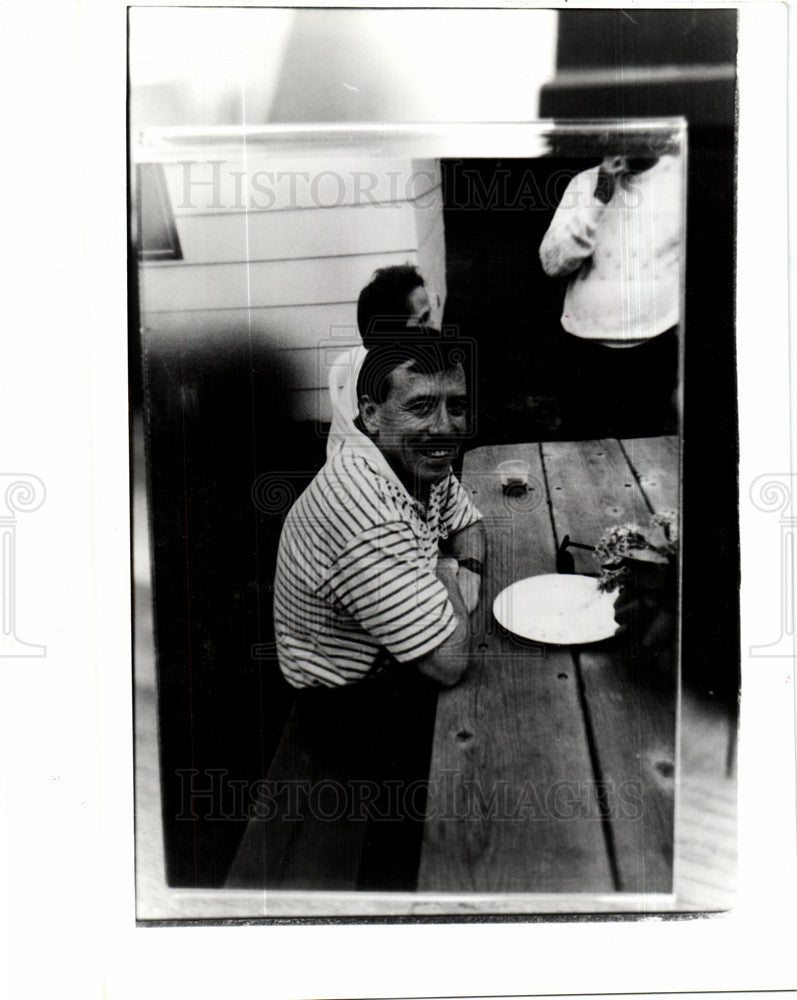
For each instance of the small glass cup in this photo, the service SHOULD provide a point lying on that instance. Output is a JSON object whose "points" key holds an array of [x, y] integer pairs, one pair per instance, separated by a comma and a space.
{"points": [[514, 475]]}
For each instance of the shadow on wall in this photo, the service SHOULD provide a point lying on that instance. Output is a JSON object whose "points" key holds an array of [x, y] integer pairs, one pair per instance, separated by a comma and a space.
{"points": [[226, 463]]}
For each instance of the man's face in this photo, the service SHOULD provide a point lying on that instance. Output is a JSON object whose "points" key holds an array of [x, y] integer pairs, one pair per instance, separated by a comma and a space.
{"points": [[420, 425], [419, 307]]}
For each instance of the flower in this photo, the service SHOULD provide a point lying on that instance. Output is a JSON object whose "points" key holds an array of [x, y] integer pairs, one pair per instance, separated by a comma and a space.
{"points": [[624, 544], [667, 520]]}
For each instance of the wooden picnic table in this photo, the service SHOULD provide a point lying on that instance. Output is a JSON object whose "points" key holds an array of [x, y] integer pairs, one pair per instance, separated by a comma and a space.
{"points": [[552, 768]]}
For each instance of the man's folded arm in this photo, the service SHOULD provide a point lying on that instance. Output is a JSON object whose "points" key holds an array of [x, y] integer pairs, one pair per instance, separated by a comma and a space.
{"points": [[417, 615], [465, 541], [448, 662], [468, 547]]}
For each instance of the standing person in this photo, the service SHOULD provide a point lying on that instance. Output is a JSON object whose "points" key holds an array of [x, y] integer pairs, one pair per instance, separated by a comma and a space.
{"points": [[395, 297], [617, 236]]}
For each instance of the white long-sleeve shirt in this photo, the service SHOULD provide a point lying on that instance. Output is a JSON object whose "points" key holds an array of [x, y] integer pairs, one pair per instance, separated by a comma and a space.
{"points": [[624, 256], [344, 407]]}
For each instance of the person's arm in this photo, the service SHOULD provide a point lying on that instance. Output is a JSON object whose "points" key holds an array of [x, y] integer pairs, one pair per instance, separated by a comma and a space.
{"points": [[447, 663], [344, 402], [465, 540], [382, 582], [570, 238], [468, 547]]}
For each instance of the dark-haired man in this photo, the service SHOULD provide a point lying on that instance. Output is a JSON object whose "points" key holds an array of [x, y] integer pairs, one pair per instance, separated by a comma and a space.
{"points": [[357, 571], [395, 297], [393, 294], [370, 622]]}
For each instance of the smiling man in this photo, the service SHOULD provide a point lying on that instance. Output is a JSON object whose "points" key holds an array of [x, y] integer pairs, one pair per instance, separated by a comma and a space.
{"points": [[359, 584], [370, 621]]}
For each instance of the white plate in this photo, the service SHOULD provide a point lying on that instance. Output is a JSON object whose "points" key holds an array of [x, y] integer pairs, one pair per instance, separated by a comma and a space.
{"points": [[560, 608]]}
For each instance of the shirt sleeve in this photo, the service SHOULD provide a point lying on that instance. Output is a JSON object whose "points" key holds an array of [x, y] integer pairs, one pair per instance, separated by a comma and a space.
{"points": [[458, 511], [344, 401], [570, 238], [381, 581]]}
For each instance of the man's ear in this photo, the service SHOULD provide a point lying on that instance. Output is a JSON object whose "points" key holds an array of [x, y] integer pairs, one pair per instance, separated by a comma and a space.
{"points": [[369, 415]]}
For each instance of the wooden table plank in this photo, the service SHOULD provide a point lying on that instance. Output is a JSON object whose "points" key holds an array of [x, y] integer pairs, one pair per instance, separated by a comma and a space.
{"points": [[631, 700], [655, 462], [511, 775], [591, 487], [630, 693]]}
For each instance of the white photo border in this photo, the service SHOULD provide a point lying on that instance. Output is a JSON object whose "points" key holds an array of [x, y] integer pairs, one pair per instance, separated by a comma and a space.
{"points": [[67, 783]]}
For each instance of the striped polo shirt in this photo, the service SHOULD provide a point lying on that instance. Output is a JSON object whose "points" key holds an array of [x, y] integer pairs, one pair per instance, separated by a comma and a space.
{"points": [[356, 570]]}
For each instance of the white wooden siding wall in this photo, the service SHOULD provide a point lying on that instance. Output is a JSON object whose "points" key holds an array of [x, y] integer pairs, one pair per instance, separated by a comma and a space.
{"points": [[278, 253]]}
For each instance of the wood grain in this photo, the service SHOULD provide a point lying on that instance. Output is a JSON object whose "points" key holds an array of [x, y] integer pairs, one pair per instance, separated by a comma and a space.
{"points": [[510, 774], [631, 700], [630, 693], [655, 463], [591, 487]]}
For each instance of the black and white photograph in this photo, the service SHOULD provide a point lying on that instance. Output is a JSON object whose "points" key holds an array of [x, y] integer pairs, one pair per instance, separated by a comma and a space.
{"points": [[418, 436], [397, 500]]}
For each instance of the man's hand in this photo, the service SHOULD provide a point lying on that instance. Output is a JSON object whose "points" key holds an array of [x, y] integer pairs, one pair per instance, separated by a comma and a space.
{"points": [[446, 571], [469, 545], [614, 165], [447, 663], [469, 584], [609, 171]]}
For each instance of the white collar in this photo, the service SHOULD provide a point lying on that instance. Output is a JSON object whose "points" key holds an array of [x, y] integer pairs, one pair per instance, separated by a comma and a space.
{"points": [[358, 444]]}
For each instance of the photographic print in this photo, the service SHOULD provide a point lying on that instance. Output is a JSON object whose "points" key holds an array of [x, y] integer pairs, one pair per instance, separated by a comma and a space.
{"points": [[419, 424]]}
